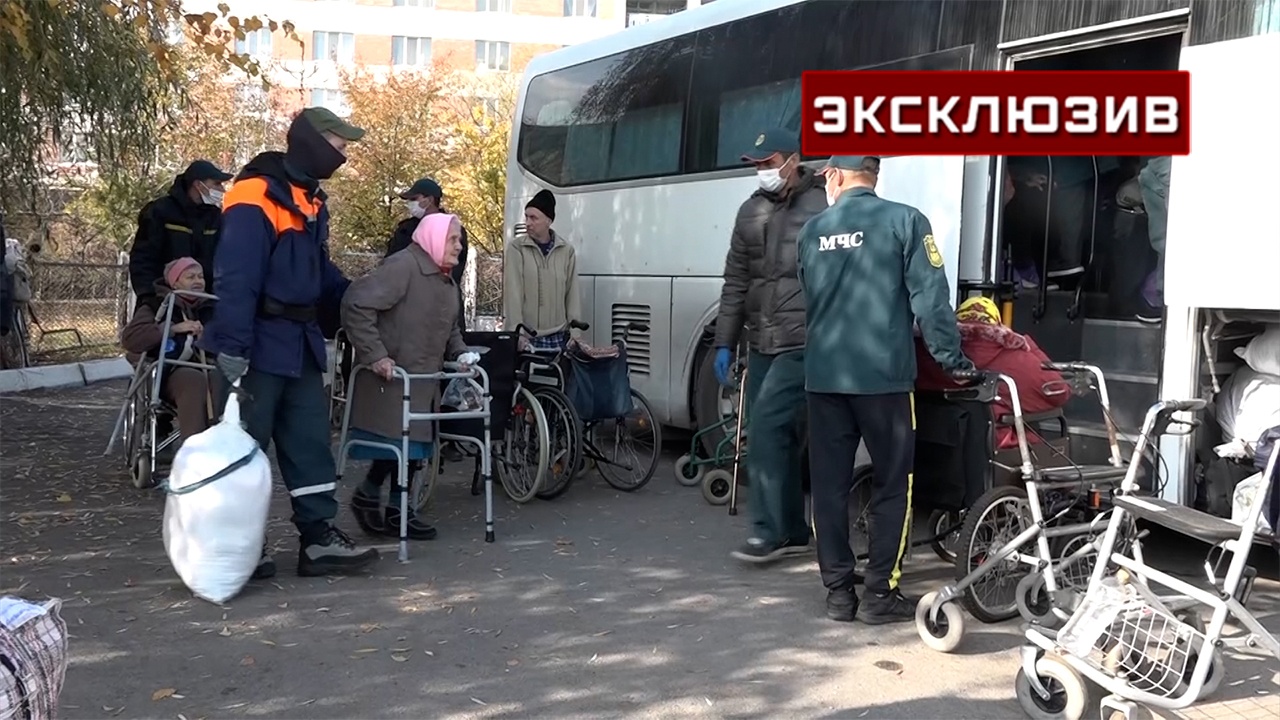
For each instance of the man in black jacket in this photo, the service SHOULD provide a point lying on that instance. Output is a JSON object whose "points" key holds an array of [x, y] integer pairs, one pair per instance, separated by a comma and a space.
{"points": [[762, 294], [183, 223], [423, 199]]}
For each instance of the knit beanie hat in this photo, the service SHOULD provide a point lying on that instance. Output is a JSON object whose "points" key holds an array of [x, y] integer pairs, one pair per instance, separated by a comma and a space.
{"points": [[544, 202]]}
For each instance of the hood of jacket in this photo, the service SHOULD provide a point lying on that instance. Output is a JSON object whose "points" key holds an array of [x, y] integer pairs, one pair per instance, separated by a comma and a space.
{"points": [[271, 165]]}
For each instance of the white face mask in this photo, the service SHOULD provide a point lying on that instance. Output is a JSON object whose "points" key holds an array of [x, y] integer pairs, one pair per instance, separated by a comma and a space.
{"points": [[415, 208], [770, 180], [831, 199], [212, 196]]}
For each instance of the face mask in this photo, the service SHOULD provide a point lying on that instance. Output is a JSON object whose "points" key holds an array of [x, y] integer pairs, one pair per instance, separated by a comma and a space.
{"points": [[308, 152], [415, 208], [212, 196], [770, 180]]}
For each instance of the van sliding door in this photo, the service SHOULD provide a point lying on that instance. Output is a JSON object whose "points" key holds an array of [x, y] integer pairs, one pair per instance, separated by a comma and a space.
{"points": [[934, 185]]}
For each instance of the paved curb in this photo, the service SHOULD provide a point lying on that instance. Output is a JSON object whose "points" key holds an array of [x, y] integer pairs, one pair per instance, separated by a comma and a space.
{"points": [[67, 375]]}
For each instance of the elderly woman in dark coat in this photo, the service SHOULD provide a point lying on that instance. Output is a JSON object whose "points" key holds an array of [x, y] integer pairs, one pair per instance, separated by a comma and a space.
{"points": [[402, 314]]}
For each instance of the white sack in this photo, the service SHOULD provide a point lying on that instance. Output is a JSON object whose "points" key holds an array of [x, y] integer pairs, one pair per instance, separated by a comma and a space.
{"points": [[213, 531], [1248, 405], [1263, 352]]}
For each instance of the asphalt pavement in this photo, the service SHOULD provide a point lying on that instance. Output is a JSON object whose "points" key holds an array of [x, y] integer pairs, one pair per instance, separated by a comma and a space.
{"points": [[599, 604]]}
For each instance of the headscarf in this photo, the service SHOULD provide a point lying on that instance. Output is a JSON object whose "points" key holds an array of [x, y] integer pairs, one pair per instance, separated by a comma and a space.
{"points": [[432, 235], [978, 310]]}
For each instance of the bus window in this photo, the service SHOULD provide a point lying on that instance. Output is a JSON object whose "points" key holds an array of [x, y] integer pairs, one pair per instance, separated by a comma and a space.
{"points": [[616, 118]]}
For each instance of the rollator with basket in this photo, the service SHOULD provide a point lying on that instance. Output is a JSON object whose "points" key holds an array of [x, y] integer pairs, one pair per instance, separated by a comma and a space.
{"points": [[718, 474], [405, 451], [1028, 544], [147, 423], [1141, 646]]}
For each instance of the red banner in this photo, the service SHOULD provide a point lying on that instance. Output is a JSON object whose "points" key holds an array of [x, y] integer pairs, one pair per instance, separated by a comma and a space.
{"points": [[996, 113]]}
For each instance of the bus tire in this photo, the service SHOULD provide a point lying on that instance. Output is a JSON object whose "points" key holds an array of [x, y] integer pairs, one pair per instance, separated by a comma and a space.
{"points": [[706, 403]]}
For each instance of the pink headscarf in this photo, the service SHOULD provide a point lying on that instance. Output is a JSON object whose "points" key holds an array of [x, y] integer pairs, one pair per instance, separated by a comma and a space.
{"points": [[432, 235]]}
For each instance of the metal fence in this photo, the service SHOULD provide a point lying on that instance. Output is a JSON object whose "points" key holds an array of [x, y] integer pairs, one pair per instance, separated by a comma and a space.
{"points": [[78, 309]]}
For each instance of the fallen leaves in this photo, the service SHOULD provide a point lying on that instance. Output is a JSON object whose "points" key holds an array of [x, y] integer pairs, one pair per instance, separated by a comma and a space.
{"points": [[64, 498], [163, 693], [248, 660], [889, 666]]}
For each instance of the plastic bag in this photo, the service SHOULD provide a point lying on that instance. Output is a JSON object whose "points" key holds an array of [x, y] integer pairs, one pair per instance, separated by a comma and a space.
{"points": [[461, 395], [1242, 500], [215, 516]]}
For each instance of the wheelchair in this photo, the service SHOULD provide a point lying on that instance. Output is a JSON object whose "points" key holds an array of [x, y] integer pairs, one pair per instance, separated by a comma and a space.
{"points": [[146, 425], [403, 452]]}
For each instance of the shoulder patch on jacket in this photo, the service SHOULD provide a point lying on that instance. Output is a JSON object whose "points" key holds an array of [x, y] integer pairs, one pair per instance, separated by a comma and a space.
{"points": [[931, 250]]}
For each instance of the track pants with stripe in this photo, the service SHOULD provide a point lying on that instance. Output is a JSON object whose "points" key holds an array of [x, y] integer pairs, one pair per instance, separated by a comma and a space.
{"points": [[294, 413], [837, 424]]}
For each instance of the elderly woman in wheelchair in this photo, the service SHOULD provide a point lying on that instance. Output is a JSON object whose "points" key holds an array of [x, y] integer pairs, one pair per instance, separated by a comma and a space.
{"points": [[404, 314], [186, 388]]}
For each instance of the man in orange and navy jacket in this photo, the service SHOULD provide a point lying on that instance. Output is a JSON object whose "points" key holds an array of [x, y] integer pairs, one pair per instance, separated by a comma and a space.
{"points": [[275, 281]]}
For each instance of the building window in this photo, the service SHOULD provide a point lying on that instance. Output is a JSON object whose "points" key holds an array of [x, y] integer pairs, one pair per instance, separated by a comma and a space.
{"points": [[493, 55], [580, 8], [335, 46], [415, 3], [413, 51], [255, 44], [493, 6], [334, 100]]}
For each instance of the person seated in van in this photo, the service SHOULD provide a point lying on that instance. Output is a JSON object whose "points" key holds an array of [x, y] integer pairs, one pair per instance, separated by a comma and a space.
{"points": [[996, 348], [185, 387], [404, 314], [540, 278]]}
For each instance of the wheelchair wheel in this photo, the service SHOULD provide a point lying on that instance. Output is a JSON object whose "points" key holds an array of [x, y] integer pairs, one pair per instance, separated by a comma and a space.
{"points": [[716, 486], [628, 447], [526, 450], [945, 527], [1068, 693], [994, 520], [860, 511], [424, 482], [138, 440], [565, 441]]}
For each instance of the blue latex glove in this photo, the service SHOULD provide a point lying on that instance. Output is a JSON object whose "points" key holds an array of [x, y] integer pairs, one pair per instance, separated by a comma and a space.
{"points": [[723, 360]]}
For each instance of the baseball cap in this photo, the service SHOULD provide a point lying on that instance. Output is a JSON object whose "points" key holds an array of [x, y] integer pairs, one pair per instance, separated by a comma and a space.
{"points": [[848, 162], [425, 187], [770, 143], [205, 170], [324, 120]]}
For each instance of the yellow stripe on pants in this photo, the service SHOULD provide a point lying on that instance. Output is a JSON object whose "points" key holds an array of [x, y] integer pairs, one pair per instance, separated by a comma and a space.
{"points": [[906, 517]]}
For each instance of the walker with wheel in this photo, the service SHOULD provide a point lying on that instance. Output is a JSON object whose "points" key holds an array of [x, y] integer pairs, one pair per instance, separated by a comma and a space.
{"points": [[1140, 646]]}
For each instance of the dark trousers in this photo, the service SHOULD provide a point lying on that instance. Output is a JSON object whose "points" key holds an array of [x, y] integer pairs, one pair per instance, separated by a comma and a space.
{"points": [[294, 413], [837, 424], [775, 392]]}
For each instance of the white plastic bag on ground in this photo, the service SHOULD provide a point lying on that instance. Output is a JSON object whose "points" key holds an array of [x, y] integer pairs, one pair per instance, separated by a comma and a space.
{"points": [[215, 517], [1242, 500]]}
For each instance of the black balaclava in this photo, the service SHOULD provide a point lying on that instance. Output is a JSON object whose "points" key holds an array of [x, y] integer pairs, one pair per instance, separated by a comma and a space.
{"points": [[308, 154]]}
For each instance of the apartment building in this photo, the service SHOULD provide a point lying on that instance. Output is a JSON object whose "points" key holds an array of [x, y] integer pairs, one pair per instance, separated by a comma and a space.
{"points": [[481, 35]]}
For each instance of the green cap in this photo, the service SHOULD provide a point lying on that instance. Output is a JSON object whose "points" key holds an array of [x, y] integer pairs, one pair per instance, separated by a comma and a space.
{"points": [[866, 163], [771, 142], [324, 120]]}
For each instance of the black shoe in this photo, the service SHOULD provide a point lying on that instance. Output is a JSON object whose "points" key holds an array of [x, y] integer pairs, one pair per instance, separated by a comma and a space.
{"points": [[368, 513], [332, 553], [891, 607], [842, 604], [760, 552], [266, 567], [419, 529]]}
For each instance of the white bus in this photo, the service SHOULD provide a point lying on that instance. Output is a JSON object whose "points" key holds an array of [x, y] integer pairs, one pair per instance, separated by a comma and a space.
{"points": [[639, 135]]}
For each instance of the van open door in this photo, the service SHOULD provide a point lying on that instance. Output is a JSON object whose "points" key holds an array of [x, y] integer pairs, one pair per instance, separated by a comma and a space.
{"points": [[1223, 244], [935, 186]]}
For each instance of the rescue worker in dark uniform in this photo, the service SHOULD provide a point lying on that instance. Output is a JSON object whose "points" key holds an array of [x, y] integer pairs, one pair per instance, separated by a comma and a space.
{"points": [[761, 291], [424, 198], [276, 279], [870, 269], [183, 223]]}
